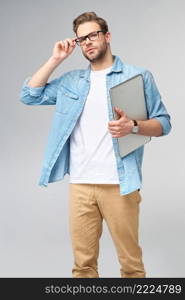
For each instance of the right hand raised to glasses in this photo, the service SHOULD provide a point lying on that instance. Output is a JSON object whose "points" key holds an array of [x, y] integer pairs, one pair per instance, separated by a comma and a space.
{"points": [[63, 49]]}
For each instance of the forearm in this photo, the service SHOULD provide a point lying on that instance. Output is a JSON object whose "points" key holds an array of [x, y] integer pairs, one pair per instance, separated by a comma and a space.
{"points": [[151, 127], [40, 78]]}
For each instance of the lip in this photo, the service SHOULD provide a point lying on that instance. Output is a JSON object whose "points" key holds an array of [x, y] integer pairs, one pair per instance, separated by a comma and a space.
{"points": [[90, 49]]}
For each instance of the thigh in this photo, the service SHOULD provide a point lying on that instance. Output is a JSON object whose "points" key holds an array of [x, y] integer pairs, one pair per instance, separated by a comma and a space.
{"points": [[84, 215], [109, 199], [121, 212]]}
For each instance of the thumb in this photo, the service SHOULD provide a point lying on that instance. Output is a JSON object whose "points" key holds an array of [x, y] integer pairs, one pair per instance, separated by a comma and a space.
{"points": [[119, 111]]}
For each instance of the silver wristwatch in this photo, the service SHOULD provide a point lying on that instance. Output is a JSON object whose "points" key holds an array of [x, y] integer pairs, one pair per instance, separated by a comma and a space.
{"points": [[135, 128]]}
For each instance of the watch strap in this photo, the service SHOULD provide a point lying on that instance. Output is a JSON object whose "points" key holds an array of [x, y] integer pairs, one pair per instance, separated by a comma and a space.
{"points": [[135, 127]]}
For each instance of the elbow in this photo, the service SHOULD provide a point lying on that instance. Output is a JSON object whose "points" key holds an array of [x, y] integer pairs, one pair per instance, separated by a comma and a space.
{"points": [[160, 131], [165, 126], [24, 101]]}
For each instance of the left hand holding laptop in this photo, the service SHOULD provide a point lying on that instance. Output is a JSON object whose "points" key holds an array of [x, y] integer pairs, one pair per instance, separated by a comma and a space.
{"points": [[122, 126]]}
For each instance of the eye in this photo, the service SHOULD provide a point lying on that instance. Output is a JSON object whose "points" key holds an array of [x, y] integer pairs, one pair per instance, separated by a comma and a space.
{"points": [[93, 34]]}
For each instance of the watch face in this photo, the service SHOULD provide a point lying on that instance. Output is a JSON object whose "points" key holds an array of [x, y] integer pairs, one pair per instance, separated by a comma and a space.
{"points": [[135, 129]]}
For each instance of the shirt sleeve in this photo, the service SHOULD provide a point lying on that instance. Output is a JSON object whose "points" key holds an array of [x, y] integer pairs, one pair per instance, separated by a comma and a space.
{"points": [[155, 107], [43, 95]]}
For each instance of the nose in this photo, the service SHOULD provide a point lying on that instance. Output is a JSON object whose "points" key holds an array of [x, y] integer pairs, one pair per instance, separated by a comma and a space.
{"points": [[87, 40]]}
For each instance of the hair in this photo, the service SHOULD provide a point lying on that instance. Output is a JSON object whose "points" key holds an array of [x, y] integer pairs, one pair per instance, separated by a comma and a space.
{"points": [[89, 17]]}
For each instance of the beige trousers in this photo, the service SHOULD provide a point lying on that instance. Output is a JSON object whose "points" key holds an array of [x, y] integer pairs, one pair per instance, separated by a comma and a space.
{"points": [[89, 205]]}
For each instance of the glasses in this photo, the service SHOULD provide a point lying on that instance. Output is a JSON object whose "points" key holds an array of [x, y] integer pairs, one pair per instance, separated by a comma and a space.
{"points": [[93, 36]]}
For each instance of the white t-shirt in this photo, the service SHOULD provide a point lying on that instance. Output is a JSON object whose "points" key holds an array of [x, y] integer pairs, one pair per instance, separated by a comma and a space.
{"points": [[92, 158]]}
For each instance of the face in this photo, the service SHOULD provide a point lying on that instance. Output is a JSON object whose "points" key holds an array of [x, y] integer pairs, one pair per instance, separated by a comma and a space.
{"points": [[94, 51]]}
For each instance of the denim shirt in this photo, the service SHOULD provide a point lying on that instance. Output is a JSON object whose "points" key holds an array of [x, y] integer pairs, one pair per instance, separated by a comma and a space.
{"points": [[69, 93]]}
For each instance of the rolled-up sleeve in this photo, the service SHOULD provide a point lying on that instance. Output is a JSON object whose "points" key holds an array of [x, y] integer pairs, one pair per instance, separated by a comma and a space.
{"points": [[43, 95], [155, 107]]}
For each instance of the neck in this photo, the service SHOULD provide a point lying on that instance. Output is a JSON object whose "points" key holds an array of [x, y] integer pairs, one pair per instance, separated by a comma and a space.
{"points": [[103, 63]]}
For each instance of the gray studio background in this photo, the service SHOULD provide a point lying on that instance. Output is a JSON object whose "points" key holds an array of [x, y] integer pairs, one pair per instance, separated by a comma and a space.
{"points": [[34, 232]]}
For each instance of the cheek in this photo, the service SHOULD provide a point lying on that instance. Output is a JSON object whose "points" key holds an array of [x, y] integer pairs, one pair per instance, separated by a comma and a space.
{"points": [[83, 50], [103, 45]]}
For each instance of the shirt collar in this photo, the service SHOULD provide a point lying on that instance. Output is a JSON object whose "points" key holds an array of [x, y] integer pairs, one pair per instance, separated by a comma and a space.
{"points": [[117, 66]]}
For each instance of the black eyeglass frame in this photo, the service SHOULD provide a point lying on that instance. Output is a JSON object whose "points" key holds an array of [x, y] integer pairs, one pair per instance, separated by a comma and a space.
{"points": [[87, 36]]}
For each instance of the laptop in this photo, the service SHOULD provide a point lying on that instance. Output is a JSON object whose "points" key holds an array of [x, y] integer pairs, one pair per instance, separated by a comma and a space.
{"points": [[129, 96]]}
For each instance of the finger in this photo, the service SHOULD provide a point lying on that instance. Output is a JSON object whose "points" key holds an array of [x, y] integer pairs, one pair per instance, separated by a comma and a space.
{"points": [[117, 124], [71, 42], [115, 132], [113, 123], [119, 110], [116, 129], [66, 45], [74, 40], [61, 44]]}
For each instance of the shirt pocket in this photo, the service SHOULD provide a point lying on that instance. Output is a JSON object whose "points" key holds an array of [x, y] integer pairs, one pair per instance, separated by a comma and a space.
{"points": [[66, 99]]}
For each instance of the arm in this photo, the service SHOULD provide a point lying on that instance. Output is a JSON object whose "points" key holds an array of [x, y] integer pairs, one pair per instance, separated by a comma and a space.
{"points": [[150, 127], [123, 126], [40, 78], [35, 89], [158, 122]]}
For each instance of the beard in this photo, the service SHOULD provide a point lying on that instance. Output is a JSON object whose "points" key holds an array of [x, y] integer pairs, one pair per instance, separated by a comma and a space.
{"points": [[96, 57]]}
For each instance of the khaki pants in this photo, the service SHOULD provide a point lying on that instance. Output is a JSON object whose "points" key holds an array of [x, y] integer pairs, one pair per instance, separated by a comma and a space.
{"points": [[89, 205]]}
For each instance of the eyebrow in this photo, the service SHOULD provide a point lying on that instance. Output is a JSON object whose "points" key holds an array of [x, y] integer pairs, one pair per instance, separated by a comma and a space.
{"points": [[86, 34]]}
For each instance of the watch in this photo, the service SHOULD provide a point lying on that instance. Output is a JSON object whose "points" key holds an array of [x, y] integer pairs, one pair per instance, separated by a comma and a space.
{"points": [[135, 128]]}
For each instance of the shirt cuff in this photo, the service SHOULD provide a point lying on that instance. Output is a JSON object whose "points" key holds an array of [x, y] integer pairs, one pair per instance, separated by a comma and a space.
{"points": [[33, 91], [165, 123]]}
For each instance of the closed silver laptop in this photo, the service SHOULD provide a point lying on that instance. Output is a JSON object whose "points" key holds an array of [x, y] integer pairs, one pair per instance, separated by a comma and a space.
{"points": [[130, 97]]}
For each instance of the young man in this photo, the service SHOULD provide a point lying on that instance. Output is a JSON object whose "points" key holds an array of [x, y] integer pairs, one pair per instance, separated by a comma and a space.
{"points": [[83, 143]]}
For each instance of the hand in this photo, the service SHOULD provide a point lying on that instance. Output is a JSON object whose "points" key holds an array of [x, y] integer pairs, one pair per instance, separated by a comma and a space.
{"points": [[63, 49], [122, 126]]}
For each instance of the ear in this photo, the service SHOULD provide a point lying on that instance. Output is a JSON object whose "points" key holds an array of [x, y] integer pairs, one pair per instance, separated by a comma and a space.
{"points": [[108, 36]]}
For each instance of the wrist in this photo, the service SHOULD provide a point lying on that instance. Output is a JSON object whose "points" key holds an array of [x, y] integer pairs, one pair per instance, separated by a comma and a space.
{"points": [[135, 127], [54, 61], [131, 125]]}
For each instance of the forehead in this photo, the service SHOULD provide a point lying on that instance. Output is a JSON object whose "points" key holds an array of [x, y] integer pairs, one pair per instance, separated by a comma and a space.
{"points": [[87, 27]]}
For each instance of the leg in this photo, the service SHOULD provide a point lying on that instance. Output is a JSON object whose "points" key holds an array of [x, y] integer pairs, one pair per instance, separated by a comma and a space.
{"points": [[121, 213], [85, 229]]}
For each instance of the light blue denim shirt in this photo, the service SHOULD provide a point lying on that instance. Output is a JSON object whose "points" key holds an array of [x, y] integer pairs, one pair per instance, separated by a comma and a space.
{"points": [[69, 93]]}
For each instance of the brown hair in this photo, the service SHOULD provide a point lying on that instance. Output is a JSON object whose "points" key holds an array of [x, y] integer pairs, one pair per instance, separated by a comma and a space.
{"points": [[89, 17]]}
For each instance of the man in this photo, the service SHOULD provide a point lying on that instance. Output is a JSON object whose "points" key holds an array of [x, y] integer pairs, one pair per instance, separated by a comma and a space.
{"points": [[83, 143]]}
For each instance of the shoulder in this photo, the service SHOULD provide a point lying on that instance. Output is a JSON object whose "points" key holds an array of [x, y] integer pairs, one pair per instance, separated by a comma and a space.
{"points": [[130, 68]]}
